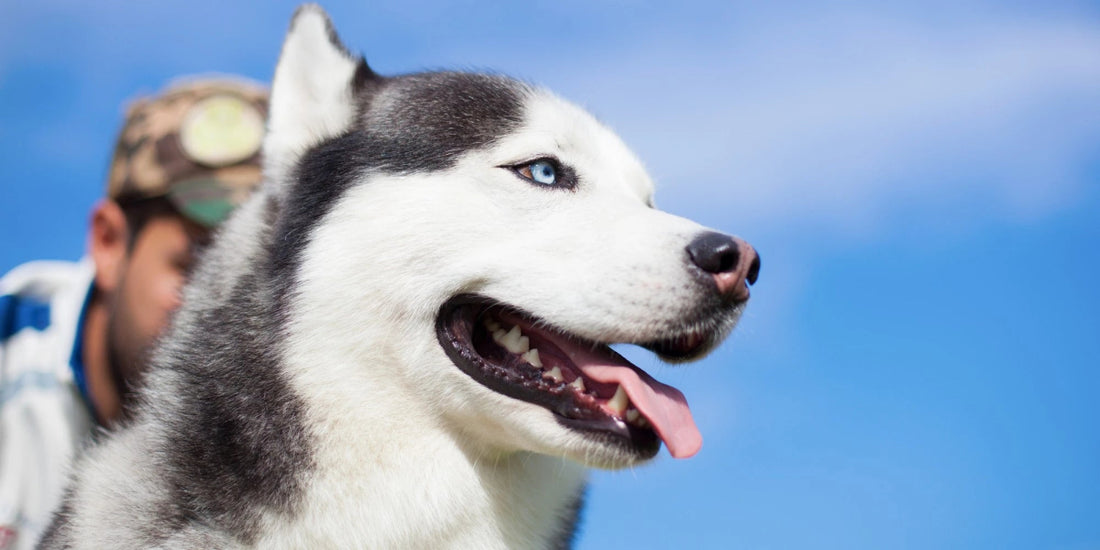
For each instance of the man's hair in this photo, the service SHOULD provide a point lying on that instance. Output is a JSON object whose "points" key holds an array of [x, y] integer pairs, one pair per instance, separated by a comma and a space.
{"points": [[139, 211]]}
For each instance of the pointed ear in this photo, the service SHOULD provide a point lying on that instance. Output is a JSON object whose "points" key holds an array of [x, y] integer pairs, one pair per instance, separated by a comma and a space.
{"points": [[312, 95]]}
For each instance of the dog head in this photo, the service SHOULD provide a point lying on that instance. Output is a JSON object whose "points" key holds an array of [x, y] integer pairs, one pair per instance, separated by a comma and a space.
{"points": [[473, 244]]}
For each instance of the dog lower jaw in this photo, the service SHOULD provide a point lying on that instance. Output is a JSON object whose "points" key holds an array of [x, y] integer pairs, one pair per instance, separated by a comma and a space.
{"points": [[594, 412]]}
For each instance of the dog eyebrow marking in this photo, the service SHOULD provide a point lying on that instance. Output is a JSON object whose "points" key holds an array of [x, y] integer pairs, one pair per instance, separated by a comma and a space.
{"points": [[425, 122]]}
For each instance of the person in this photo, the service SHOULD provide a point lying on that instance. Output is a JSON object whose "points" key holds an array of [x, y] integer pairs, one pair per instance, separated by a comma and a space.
{"points": [[75, 337]]}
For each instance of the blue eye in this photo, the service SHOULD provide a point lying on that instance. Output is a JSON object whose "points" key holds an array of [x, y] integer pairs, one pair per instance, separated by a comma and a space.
{"points": [[541, 171], [545, 172]]}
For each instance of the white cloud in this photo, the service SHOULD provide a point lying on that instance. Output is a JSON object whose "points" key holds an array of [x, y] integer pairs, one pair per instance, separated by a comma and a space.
{"points": [[840, 120]]}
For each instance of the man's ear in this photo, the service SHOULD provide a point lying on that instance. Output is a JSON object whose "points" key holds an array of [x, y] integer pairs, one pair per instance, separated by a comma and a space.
{"points": [[108, 244]]}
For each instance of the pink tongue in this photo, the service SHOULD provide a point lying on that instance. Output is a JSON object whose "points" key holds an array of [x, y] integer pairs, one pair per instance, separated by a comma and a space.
{"points": [[664, 406]]}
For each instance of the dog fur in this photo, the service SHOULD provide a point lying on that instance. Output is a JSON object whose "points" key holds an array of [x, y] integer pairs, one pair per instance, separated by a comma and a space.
{"points": [[303, 398]]}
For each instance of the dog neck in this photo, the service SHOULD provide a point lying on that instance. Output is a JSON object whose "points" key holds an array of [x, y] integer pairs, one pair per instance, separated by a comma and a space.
{"points": [[389, 476]]}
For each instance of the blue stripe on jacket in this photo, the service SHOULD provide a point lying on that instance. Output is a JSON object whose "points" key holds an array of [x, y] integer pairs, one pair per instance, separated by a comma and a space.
{"points": [[20, 312]]}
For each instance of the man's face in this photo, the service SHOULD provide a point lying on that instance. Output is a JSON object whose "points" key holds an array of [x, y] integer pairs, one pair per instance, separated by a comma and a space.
{"points": [[151, 278]]}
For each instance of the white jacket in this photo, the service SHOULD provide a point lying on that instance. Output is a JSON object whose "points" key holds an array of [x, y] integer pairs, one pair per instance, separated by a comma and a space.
{"points": [[45, 416]]}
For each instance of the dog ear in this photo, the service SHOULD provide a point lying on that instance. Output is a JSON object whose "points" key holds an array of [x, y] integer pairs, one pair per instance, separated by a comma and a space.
{"points": [[313, 92]]}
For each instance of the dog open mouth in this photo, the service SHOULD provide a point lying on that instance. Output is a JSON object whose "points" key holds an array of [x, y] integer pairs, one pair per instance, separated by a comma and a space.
{"points": [[589, 386]]}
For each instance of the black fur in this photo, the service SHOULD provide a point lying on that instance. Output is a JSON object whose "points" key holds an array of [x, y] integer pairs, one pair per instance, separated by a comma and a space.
{"points": [[58, 535], [236, 446], [440, 116], [363, 75], [567, 536]]}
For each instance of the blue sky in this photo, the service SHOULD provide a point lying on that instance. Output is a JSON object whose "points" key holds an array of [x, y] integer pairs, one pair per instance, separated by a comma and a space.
{"points": [[919, 365]]}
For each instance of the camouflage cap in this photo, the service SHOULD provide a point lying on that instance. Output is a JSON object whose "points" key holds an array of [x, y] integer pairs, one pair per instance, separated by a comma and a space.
{"points": [[197, 143]]}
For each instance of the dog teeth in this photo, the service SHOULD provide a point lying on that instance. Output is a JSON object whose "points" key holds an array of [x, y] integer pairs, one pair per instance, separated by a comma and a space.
{"points": [[532, 357], [555, 375], [619, 401], [578, 385], [514, 340], [523, 344]]}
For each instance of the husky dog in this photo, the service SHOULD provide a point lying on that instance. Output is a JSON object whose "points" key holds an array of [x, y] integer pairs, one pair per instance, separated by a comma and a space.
{"points": [[401, 340]]}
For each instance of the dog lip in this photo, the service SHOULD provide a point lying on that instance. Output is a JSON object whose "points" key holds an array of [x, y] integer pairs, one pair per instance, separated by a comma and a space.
{"points": [[705, 329], [455, 327], [684, 347]]}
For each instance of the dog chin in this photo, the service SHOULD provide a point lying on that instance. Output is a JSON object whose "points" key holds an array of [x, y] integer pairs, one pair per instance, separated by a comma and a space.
{"points": [[603, 453], [703, 337]]}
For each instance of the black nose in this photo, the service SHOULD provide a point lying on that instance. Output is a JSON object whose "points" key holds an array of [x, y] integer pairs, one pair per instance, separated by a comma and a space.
{"points": [[732, 261]]}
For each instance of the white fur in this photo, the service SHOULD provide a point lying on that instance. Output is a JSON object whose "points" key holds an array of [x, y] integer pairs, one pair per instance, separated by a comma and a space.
{"points": [[314, 93]]}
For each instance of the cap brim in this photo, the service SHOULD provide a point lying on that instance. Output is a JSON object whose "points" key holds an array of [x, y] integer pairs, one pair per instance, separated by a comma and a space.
{"points": [[205, 200]]}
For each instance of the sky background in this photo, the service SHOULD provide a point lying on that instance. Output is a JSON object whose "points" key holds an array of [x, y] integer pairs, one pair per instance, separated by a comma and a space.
{"points": [[919, 365]]}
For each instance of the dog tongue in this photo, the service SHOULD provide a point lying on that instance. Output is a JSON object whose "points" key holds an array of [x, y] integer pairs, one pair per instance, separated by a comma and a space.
{"points": [[664, 406]]}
